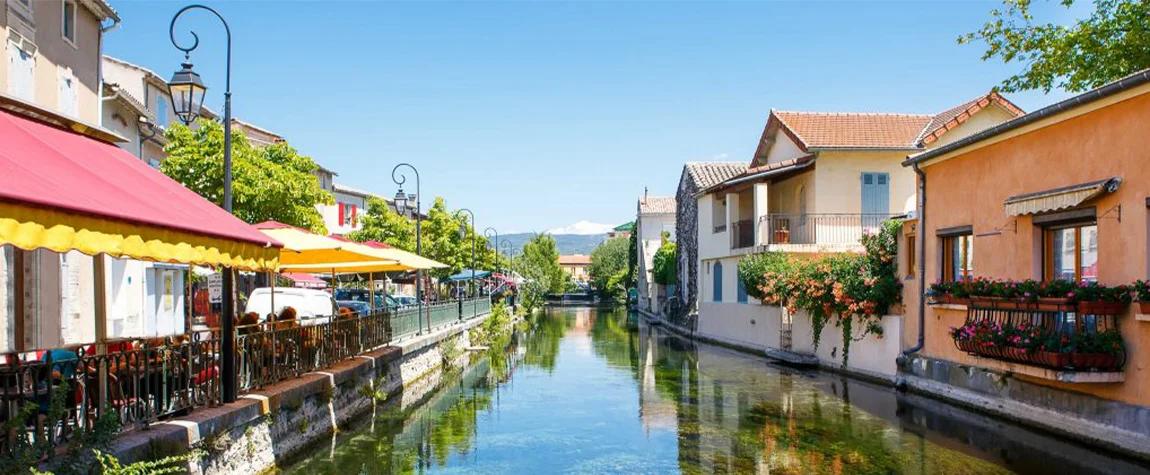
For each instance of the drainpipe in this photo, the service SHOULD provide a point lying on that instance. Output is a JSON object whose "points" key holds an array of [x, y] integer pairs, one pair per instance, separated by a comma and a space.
{"points": [[100, 68], [902, 360]]}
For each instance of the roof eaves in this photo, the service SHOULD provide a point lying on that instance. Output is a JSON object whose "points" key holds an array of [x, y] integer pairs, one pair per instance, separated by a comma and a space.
{"points": [[1102, 92]]}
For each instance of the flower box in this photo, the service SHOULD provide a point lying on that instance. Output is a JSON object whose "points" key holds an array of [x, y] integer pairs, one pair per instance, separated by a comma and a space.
{"points": [[1144, 308], [1051, 358], [1101, 308], [1052, 304], [1094, 360], [947, 299]]}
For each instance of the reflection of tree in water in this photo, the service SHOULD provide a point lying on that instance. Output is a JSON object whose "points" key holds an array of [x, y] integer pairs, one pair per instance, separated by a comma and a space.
{"points": [[614, 342], [543, 339]]}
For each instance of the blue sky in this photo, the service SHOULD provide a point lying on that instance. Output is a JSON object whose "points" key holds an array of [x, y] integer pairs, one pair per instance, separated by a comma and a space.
{"points": [[538, 114]]}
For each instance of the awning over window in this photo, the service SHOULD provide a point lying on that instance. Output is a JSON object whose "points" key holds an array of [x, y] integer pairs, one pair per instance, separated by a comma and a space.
{"points": [[1059, 198], [62, 191]]}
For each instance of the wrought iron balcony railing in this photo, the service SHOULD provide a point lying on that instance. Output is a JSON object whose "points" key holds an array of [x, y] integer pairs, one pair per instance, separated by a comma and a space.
{"points": [[831, 229]]}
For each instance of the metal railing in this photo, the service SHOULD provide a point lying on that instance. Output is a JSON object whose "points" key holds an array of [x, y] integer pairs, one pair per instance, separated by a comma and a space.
{"points": [[742, 234], [818, 229], [1059, 338], [52, 394]]}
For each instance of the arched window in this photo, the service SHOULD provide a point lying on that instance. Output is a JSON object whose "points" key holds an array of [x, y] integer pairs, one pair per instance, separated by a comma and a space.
{"points": [[717, 275]]}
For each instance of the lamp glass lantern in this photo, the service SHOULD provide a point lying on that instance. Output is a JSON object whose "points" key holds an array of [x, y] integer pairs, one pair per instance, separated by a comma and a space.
{"points": [[400, 202], [187, 92]]}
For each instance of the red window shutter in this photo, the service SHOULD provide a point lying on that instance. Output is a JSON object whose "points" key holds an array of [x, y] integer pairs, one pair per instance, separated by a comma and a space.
{"points": [[340, 205]]}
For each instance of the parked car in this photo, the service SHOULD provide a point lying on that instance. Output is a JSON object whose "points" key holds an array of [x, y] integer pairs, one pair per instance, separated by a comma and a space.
{"points": [[360, 308], [360, 295], [312, 306], [405, 300]]}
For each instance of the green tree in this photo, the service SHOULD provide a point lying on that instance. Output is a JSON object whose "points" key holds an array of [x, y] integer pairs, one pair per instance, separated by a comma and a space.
{"points": [[1114, 41], [607, 260], [539, 265], [270, 182], [665, 265], [382, 224]]}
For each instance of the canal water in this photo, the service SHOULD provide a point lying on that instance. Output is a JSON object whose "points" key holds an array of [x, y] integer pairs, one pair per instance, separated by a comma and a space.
{"points": [[594, 391]]}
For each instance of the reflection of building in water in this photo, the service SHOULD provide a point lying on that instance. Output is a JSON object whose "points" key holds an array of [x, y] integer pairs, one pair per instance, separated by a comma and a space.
{"points": [[655, 411]]}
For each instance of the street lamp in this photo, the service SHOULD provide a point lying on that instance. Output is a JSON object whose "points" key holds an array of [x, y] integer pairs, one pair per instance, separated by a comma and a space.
{"points": [[487, 234], [401, 206], [463, 234], [188, 92]]}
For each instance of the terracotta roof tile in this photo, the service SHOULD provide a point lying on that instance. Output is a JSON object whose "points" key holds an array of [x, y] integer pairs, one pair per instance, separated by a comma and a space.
{"points": [[575, 260], [854, 130], [708, 174], [657, 205], [946, 120]]}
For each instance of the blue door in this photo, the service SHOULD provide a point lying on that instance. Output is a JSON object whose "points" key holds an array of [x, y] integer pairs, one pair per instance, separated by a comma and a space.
{"points": [[875, 198]]}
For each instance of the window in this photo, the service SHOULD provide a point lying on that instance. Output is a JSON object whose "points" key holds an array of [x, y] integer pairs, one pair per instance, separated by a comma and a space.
{"points": [[68, 23], [958, 257], [347, 214], [162, 111], [21, 72], [741, 290], [154, 163], [1071, 252], [717, 277], [68, 103], [911, 255]]}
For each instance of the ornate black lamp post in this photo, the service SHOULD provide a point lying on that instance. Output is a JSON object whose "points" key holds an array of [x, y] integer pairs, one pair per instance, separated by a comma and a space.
{"points": [[494, 244], [402, 202], [188, 92], [462, 235]]}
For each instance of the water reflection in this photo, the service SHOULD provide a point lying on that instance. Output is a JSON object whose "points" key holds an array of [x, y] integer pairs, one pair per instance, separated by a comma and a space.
{"points": [[583, 391]]}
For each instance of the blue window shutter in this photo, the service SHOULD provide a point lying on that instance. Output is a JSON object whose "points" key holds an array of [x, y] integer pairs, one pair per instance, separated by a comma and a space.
{"points": [[718, 278], [742, 291], [875, 193]]}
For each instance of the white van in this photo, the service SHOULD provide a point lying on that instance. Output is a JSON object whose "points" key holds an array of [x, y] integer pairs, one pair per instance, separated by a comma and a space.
{"points": [[312, 307]]}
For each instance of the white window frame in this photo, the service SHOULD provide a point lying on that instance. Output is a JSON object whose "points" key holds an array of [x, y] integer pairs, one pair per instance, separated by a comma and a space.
{"points": [[15, 47], [64, 5]]}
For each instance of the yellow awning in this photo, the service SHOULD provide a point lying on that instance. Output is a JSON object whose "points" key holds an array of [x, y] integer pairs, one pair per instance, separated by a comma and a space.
{"points": [[304, 248], [407, 259], [1059, 198], [346, 267], [32, 227]]}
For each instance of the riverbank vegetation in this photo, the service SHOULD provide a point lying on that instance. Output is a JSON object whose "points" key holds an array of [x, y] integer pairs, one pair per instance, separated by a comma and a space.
{"points": [[609, 268], [846, 288]]}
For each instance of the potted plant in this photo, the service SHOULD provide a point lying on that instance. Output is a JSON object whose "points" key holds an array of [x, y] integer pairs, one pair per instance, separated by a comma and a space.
{"points": [[1056, 294], [1096, 350], [1054, 351], [1096, 299], [1142, 296]]}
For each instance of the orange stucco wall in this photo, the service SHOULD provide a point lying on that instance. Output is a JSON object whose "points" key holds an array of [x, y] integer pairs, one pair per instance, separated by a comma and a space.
{"points": [[970, 189]]}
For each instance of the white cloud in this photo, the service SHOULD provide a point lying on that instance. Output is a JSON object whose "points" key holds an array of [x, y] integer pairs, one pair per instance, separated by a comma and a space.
{"points": [[583, 227]]}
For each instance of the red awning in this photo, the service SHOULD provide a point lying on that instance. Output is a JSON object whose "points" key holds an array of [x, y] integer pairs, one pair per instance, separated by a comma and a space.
{"points": [[60, 190], [307, 281]]}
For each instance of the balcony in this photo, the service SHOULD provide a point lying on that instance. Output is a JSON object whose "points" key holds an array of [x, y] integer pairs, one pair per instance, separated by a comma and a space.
{"points": [[817, 232], [742, 234]]}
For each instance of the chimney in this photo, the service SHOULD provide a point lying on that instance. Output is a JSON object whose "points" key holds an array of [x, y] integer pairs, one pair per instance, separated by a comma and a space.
{"points": [[644, 195]]}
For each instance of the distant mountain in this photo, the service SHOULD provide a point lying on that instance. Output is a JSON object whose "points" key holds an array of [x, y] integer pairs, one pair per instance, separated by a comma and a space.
{"points": [[583, 228], [565, 243]]}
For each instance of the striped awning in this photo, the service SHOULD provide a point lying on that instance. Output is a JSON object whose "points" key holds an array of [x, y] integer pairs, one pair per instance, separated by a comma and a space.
{"points": [[1059, 198]]}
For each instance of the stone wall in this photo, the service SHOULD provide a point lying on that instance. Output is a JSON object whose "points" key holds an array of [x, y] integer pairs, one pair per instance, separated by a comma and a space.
{"points": [[687, 240], [1118, 426], [271, 425]]}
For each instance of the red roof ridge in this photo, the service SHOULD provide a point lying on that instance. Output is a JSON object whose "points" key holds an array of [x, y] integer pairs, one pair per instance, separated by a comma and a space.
{"points": [[853, 114], [950, 119]]}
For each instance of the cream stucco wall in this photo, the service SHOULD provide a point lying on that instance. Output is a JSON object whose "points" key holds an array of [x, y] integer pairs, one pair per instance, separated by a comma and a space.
{"points": [[783, 149], [650, 228], [711, 244], [785, 194], [54, 54], [981, 120], [842, 189]]}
